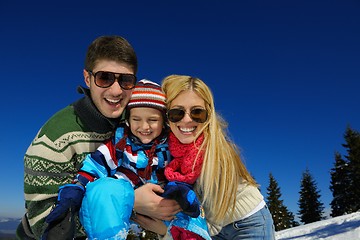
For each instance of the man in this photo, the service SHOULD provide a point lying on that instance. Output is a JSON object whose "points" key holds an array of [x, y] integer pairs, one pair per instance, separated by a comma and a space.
{"points": [[56, 153]]}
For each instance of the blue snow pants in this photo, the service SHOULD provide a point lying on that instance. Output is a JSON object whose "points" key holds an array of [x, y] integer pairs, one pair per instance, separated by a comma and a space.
{"points": [[106, 208]]}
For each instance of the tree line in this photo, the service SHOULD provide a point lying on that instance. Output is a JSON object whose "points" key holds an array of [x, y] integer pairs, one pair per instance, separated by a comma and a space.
{"points": [[344, 185]]}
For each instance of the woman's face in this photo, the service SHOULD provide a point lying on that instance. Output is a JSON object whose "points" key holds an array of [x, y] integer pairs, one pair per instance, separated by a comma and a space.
{"points": [[186, 129]]}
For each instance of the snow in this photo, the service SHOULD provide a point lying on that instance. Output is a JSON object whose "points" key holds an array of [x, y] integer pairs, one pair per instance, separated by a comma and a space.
{"points": [[346, 227]]}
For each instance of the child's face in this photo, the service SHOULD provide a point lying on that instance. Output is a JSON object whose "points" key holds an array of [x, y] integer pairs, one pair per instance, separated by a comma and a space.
{"points": [[146, 123]]}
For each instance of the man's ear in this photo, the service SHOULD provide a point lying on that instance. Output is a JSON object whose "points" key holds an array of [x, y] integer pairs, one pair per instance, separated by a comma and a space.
{"points": [[87, 78]]}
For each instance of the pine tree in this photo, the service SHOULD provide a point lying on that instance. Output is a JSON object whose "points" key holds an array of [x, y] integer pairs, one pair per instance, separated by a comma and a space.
{"points": [[339, 186], [294, 223], [352, 139], [282, 217], [310, 207]]}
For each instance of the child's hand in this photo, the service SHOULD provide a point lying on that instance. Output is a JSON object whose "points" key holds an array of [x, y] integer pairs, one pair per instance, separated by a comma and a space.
{"points": [[70, 196], [68, 203], [184, 194]]}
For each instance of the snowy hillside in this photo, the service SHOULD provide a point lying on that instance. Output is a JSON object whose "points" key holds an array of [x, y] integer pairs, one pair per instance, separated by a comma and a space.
{"points": [[8, 227], [345, 227]]}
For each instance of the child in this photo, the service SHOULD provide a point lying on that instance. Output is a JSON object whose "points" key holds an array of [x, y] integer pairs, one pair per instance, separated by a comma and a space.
{"points": [[135, 155]]}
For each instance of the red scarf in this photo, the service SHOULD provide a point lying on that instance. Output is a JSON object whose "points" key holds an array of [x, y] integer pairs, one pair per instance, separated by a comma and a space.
{"points": [[181, 167]]}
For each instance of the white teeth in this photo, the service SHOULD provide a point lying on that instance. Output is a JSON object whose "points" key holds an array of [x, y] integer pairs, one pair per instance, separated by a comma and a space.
{"points": [[187, 129], [112, 100], [145, 133]]}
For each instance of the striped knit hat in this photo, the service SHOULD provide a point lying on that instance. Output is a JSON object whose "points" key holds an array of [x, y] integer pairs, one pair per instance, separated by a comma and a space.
{"points": [[147, 94]]}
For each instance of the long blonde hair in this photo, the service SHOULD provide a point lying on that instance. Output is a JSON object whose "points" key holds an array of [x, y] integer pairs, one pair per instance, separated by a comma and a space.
{"points": [[222, 169]]}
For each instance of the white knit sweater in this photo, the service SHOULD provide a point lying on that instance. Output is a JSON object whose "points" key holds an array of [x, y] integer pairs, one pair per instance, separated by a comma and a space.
{"points": [[247, 199]]}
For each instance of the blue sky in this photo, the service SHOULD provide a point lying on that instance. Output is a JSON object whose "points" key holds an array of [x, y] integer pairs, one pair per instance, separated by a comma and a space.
{"points": [[284, 74]]}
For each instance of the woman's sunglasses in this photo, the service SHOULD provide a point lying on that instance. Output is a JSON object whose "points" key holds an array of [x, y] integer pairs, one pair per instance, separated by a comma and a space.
{"points": [[199, 115], [106, 79]]}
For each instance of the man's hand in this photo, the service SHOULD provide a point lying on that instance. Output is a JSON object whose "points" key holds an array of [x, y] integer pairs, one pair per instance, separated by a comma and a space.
{"points": [[149, 203], [154, 225]]}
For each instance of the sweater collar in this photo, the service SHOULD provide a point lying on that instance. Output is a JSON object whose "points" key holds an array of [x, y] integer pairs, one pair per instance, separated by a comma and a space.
{"points": [[91, 116]]}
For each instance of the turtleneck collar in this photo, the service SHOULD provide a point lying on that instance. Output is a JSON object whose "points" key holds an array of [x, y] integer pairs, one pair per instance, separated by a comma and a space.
{"points": [[91, 116]]}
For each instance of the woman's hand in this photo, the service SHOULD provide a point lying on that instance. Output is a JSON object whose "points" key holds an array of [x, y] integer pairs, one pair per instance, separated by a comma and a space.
{"points": [[154, 225], [149, 203]]}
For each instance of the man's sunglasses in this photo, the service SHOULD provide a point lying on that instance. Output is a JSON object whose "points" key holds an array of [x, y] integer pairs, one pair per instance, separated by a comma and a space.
{"points": [[106, 79], [199, 115]]}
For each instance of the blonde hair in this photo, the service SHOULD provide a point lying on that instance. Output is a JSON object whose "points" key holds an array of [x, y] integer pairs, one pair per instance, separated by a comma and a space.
{"points": [[222, 170]]}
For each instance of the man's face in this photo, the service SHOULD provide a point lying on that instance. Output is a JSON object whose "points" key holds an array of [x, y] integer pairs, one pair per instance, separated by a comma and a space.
{"points": [[110, 101]]}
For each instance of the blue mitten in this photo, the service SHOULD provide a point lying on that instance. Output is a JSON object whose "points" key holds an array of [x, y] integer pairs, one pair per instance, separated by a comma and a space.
{"points": [[70, 197], [60, 221], [184, 194]]}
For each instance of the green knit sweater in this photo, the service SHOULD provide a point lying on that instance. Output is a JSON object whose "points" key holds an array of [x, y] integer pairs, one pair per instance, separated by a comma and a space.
{"points": [[56, 154]]}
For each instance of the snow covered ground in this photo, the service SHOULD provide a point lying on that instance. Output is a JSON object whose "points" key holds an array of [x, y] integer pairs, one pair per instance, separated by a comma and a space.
{"points": [[345, 227]]}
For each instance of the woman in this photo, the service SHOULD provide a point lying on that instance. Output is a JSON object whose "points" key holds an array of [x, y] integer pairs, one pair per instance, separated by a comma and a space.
{"points": [[234, 207]]}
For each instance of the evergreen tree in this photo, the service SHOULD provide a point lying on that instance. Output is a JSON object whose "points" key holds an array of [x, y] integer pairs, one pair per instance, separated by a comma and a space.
{"points": [[294, 223], [282, 217], [339, 186], [310, 207], [352, 139]]}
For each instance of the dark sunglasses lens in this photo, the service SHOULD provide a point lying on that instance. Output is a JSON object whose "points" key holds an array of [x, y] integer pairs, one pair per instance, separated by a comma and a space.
{"points": [[104, 79], [127, 81], [199, 115], [175, 115]]}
